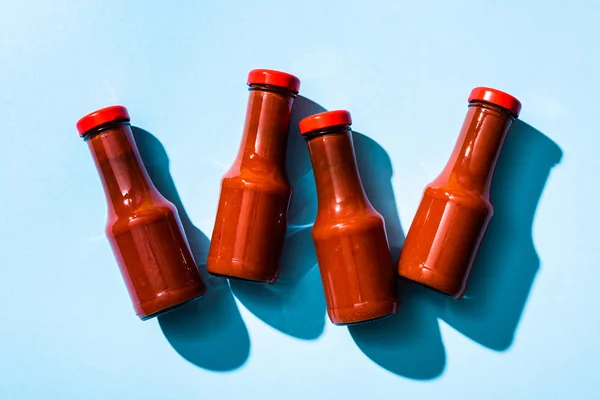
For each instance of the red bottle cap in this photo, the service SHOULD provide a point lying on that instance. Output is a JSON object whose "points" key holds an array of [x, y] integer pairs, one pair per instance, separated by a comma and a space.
{"points": [[274, 78], [101, 117], [324, 120], [496, 97]]}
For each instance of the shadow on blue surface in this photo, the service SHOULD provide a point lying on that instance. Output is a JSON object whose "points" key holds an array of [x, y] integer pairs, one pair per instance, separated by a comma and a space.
{"points": [[211, 334], [408, 343], [295, 304], [208, 332], [507, 262]]}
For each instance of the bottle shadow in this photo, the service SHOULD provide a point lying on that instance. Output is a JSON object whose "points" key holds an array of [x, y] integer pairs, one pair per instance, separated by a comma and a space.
{"points": [[208, 332], [295, 304], [408, 343], [507, 263]]}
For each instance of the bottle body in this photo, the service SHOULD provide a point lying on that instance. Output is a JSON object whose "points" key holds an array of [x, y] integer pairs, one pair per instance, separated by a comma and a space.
{"points": [[143, 228], [251, 221], [443, 240], [349, 235]]}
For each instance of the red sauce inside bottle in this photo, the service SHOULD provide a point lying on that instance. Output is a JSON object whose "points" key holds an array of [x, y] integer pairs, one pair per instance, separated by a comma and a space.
{"points": [[349, 234], [143, 228], [450, 223], [251, 221]]}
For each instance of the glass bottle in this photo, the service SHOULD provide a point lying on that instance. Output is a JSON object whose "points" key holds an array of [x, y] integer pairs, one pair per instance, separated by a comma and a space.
{"points": [[349, 234], [446, 232], [251, 221], [143, 228]]}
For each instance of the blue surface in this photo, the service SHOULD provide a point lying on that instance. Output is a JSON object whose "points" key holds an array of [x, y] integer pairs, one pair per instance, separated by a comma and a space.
{"points": [[529, 325]]}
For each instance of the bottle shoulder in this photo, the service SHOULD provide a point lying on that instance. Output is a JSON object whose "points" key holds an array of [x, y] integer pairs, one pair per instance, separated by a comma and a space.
{"points": [[151, 209], [359, 219], [458, 194], [263, 180]]}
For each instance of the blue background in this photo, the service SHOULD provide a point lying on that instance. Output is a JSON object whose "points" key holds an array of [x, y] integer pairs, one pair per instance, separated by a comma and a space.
{"points": [[528, 327]]}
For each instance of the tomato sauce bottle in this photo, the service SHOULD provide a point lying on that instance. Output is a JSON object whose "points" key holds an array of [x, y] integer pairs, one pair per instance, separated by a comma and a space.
{"points": [[251, 221], [356, 266], [446, 232], [143, 228]]}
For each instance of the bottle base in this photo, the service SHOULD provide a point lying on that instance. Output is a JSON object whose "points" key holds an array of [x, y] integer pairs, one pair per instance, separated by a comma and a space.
{"points": [[167, 302], [366, 321], [233, 269], [363, 313], [435, 281], [168, 310]]}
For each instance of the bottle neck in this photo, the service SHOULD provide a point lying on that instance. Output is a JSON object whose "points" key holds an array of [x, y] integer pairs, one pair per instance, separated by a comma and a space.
{"points": [[264, 140], [339, 187], [125, 180], [474, 158]]}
